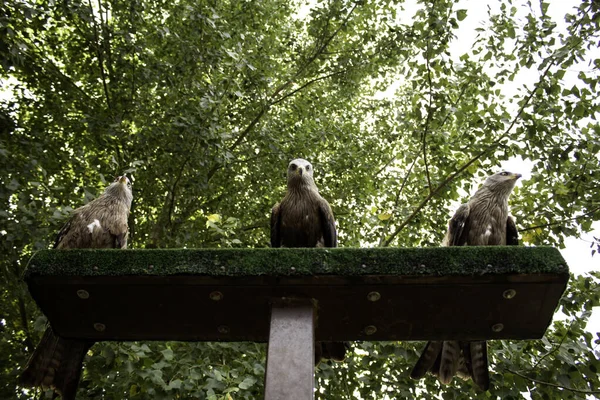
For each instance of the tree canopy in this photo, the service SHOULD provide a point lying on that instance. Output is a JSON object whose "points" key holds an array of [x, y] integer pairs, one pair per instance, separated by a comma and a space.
{"points": [[205, 102]]}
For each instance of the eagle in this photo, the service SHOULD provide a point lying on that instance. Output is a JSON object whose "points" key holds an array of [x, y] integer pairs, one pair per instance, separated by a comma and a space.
{"points": [[304, 219], [102, 223], [482, 221]]}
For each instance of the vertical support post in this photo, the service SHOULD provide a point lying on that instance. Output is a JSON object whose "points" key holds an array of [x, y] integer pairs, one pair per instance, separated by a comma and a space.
{"points": [[291, 351]]}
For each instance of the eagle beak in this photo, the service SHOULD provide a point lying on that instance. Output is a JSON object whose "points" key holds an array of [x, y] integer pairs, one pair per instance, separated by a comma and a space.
{"points": [[300, 171], [517, 176], [123, 179]]}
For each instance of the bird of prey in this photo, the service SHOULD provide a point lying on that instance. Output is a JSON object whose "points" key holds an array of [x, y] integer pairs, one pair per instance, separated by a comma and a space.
{"points": [[102, 223], [482, 221], [304, 219]]}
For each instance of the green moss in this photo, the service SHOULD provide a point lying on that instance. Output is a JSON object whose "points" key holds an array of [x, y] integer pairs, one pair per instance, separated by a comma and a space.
{"points": [[435, 261]]}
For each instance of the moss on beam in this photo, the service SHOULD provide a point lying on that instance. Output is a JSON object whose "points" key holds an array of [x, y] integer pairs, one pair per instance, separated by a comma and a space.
{"points": [[435, 261]]}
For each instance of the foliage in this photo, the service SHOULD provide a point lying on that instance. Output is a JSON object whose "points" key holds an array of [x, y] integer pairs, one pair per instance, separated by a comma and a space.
{"points": [[206, 102]]}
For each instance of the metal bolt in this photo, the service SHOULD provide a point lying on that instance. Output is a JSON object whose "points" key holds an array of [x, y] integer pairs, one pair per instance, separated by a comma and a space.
{"points": [[224, 329], [371, 329], [374, 296], [216, 295], [498, 327], [83, 294], [100, 327], [509, 294]]}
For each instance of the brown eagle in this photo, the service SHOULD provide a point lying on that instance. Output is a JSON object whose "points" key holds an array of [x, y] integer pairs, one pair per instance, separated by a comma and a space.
{"points": [[482, 221], [304, 219], [102, 223]]}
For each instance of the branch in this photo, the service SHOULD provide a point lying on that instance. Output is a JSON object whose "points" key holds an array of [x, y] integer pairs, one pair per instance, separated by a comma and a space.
{"points": [[428, 119], [561, 221], [553, 384], [555, 348], [304, 86], [265, 108], [321, 49], [491, 147], [99, 54], [387, 225], [433, 193]]}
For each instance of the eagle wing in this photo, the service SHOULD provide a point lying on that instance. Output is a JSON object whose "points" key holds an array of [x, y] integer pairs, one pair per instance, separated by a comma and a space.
{"points": [[62, 233], [276, 226], [458, 228], [512, 234], [327, 224]]}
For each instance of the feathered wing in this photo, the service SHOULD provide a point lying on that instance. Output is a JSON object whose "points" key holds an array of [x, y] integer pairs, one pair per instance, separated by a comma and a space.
{"points": [[329, 350], [512, 234], [276, 226], [458, 227], [327, 224]]}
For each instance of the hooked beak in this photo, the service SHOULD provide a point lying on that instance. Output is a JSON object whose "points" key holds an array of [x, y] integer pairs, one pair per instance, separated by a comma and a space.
{"points": [[300, 171], [517, 176], [123, 179]]}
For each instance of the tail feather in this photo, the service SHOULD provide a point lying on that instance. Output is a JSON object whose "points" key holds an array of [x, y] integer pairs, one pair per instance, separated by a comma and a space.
{"points": [[449, 361], [479, 364], [428, 359], [56, 363], [445, 359], [334, 350]]}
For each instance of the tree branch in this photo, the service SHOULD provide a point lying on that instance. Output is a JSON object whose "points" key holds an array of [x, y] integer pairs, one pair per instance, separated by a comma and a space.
{"points": [[492, 146], [553, 384], [433, 193], [99, 54], [428, 119], [555, 347], [560, 222], [387, 225]]}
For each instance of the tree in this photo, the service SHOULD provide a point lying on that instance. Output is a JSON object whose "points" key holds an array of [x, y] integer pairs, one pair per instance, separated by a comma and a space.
{"points": [[205, 102]]}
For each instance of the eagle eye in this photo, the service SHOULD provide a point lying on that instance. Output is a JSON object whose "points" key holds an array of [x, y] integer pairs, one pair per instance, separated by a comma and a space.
{"points": [[504, 173], [308, 167], [293, 166]]}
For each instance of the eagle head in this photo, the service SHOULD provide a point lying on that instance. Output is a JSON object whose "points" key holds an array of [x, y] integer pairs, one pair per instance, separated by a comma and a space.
{"points": [[300, 172], [503, 181], [121, 188]]}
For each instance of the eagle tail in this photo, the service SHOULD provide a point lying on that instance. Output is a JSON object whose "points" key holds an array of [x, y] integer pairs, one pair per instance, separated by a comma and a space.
{"points": [[449, 361], [477, 363], [428, 359], [334, 350], [56, 363]]}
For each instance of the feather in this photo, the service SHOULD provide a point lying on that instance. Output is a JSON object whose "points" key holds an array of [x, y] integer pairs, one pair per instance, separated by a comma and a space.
{"points": [[482, 221], [102, 223]]}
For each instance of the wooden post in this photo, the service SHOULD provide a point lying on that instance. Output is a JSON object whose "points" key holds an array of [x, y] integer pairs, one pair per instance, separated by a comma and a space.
{"points": [[291, 351]]}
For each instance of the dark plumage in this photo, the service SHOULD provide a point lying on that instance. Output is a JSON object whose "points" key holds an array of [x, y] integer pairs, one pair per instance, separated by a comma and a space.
{"points": [[482, 221], [102, 223], [304, 219]]}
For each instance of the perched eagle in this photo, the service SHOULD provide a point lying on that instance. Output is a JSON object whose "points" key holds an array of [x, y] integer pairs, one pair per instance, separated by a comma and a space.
{"points": [[304, 219], [482, 221], [102, 223]]}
